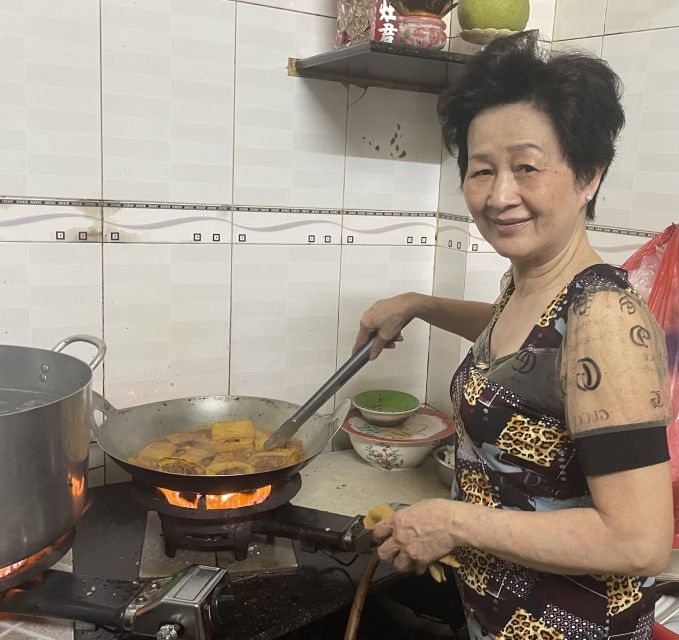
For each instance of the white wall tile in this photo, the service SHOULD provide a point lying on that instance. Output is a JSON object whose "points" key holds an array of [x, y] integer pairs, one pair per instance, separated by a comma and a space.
{"points": [[372, 273], [451, 199], [477, 242], [579, 18], [166, 320], [542, 17], [393, 150], [48, 292], [167, 85], [482, 282], [413, 229], [286, 227], [641, 189], [49, 99], [453, 233], [444, 347], [317, 7], [290, 132], [626, 15], [615, 248], [284, 328], [168, 223], [591, 45], [49, 223]]}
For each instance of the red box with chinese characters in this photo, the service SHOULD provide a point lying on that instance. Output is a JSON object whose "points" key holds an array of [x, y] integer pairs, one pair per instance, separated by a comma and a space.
{"points": [[379, 20]]}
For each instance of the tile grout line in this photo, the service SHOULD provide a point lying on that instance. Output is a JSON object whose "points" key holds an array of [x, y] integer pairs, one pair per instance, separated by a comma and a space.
{"points": [[233, 190], [101, 151]]}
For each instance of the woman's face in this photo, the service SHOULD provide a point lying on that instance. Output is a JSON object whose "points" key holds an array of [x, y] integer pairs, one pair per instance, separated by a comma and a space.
{"points": [[521, 193]]}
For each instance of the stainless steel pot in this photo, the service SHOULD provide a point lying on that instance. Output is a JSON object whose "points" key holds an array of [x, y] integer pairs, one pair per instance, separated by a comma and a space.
{"points": [[45, 419]]}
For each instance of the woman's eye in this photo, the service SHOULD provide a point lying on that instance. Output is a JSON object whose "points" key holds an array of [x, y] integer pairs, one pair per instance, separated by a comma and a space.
{"points": [[526, 168], [480, 172]]}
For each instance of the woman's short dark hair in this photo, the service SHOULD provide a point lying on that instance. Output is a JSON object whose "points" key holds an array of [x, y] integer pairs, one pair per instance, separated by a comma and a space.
{"points": [[579, 93]]}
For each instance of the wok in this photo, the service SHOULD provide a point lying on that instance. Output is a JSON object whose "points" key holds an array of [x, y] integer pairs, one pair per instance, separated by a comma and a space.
{"points": [[123, 432]]}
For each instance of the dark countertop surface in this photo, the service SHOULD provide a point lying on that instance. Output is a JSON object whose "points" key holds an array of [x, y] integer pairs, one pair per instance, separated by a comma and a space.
{"points": [[109, 541]]}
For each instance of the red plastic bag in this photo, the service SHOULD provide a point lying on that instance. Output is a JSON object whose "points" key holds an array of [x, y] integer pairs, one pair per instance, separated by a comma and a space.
{"points": [[654, 272]]}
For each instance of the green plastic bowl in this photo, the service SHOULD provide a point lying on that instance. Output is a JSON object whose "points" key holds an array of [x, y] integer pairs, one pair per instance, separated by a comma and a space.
{"points": [[386, 407]]}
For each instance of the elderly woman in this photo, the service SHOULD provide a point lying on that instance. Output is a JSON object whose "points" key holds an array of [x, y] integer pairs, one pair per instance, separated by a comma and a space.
{"points": [[562, 502]]}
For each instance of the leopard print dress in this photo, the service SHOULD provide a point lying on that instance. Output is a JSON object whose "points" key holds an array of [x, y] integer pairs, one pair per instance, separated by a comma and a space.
{"points": [[519, 449]]}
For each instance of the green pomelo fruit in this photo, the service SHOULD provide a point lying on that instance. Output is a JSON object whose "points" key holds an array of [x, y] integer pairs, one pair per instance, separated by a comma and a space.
{"points": [[493, 14]]}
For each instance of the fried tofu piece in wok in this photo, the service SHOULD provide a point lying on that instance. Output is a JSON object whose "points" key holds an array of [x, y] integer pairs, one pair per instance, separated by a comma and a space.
{"points": [[189, 436], [228, 467], [260, 438], [179, 465], [152, 453], [234, 434], [194, 454], [274, 459]]}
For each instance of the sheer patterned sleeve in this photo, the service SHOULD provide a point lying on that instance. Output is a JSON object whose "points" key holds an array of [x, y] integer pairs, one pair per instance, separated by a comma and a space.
{"points": [[614, 380]]}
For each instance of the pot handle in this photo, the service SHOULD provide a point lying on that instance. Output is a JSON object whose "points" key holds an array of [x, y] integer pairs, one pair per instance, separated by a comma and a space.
{"points": [[81, 337]]}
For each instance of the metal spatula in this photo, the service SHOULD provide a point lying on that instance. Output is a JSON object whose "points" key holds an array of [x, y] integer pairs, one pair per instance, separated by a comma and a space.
{"points": [[343, 374]]}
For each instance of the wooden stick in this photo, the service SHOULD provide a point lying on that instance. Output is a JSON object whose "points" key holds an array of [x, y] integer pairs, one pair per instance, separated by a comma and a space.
{"points": [[360, 596]]}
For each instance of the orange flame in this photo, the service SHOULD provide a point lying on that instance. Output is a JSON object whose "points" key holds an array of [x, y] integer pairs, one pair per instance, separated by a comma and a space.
{"points": [[30, 560], [224, 501]]}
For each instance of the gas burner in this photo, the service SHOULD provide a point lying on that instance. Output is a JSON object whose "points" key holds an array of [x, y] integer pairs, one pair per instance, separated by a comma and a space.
{"points": [[23, 570], [203, 523]]}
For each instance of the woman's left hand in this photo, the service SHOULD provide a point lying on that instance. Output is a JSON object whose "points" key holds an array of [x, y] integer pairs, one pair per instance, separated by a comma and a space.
{"points": [[415, 536]]}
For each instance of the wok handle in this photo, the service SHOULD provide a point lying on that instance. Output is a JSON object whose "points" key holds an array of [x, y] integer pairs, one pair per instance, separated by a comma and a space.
{"points": [[81, 337], [99, 403], [338, 417]]}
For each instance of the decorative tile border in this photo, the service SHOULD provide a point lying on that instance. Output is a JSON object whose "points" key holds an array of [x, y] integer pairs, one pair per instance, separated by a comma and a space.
{"points": [[51, 202], [621, 231], [453, 232], [401, 228], [454, 217], [168, 214], [247, 209], [286, 226], [400, 214]]}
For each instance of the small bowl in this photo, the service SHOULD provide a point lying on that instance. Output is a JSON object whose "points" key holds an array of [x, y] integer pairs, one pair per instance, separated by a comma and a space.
{"points": [[444, 470], [390, 455], [385, 407]]}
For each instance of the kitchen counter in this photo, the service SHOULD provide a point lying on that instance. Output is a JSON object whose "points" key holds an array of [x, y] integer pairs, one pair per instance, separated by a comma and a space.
{"points": [[343, 483], [109, 541]]}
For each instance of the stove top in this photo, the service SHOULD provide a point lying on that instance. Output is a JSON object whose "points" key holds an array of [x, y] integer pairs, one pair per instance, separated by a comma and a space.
{"points": [[297, 583]]}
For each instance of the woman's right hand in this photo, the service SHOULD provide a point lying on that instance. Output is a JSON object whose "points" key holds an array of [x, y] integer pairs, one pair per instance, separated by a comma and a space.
{"points": [[386, 318]]}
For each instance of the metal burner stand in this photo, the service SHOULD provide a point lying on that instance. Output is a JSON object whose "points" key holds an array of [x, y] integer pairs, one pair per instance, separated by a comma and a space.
{"points": [[203, 529]]}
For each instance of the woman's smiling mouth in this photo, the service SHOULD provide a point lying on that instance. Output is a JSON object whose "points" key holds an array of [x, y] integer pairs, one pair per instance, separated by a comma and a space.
{"points": [[510, 226]]}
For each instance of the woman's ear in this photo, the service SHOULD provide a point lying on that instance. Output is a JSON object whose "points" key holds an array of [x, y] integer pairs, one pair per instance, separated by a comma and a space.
{"points": [[590, 188]]}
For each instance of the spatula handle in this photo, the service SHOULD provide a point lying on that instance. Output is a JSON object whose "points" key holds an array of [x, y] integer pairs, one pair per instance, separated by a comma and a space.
{"points": [[346, 371], [334, 383]]}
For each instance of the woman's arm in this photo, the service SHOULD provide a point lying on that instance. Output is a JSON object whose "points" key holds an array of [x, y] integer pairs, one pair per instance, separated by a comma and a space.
{"points": [[387, 317], [627, 532]]}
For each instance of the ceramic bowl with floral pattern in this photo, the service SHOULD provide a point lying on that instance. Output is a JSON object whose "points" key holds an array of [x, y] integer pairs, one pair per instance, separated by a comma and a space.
{"points": [[400, 447]]}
